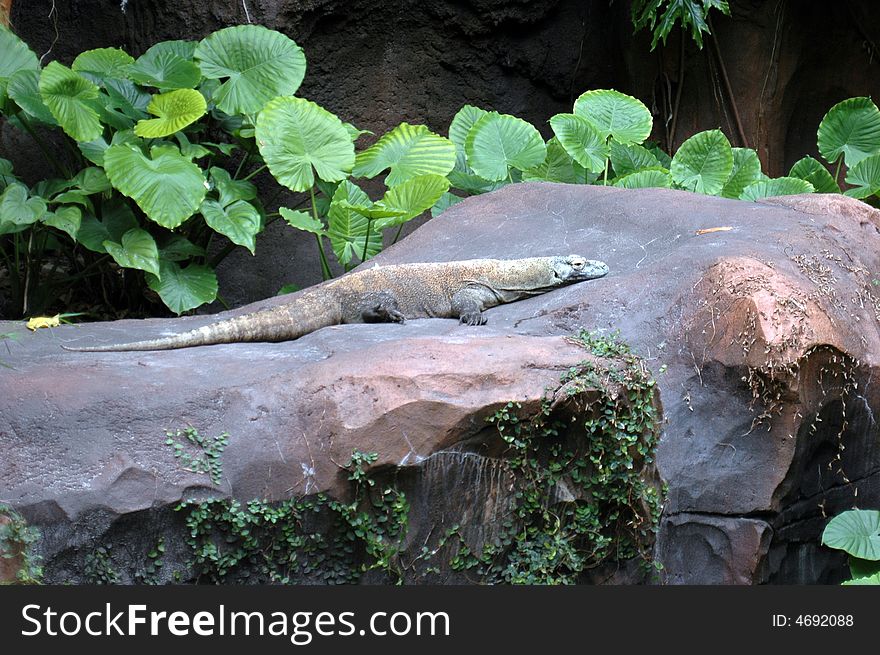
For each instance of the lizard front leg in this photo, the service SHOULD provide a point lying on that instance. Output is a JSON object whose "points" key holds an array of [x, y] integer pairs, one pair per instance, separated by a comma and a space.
{"points": [[468, 304], [381, 308]]}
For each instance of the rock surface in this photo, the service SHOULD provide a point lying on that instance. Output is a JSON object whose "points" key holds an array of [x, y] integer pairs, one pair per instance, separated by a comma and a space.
{"points": [[763, 335]]}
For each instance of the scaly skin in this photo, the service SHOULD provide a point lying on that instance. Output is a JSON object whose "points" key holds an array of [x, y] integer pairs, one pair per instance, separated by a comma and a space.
{"points": [[461, 289]]}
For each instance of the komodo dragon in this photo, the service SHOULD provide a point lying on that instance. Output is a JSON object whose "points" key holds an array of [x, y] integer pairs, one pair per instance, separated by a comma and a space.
{"points": [[459, 289]]}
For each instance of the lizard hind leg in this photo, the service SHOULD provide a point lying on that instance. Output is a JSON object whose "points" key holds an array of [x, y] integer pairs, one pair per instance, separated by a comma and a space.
{"points": [[381, 308], [468, 305]]}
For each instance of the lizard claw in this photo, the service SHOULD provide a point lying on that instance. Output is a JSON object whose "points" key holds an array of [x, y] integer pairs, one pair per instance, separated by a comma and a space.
{"points": [[472, 318]]}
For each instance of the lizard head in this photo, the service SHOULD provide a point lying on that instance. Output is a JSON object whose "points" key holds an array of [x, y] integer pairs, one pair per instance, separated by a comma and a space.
{"points": [[574, 268]]}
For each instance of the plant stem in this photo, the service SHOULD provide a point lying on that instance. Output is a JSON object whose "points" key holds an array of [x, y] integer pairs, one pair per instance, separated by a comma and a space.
{"points": [[325, 267], [837, 171], [605, 179], [241, 164], [255, 172], [397, 236], [367, 239], [669, 145]]}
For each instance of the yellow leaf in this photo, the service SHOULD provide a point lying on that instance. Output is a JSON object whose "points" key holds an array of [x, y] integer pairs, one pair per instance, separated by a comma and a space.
{"points": [[43, 322]]}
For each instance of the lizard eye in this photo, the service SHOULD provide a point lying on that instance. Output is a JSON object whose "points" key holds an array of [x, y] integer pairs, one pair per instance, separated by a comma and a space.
{"points": [[577, 264]]}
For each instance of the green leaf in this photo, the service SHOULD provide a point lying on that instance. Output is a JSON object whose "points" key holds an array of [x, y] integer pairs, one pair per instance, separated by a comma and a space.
{"points": [[615, 114], [138, 250], [24, 88], [239, 221], [182, 289], [167, 65], [462, 122], [175, 110], [68, 96], [856, 532], [628, 158], [703, 163], [780, 186], [661, 155], [581, 140], [67, 219], [645, 179], [258, 64], [91, 180], [177, 248], [444, 202], [558, 166], [167, 187], [870, 580], [299, 139], [815, 173], [863, 568], [94, 150], [347, 228], [14, 56], [865, 177], [850, 128], [117, 219], [302, 221], [17, 209], [127, 98], [498, 142], [409, 151], [103, 63], [230, 190], [746, 169], [412, 197]]}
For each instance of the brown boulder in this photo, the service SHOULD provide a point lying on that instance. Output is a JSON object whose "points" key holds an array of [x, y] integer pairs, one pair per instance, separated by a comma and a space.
{"points": [[763, 336]]}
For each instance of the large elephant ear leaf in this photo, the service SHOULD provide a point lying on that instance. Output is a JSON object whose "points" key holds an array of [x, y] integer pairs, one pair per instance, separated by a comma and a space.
{"points": [[167, 65], [14, 56], [257, 63], [850, 128], [182, 289], [408, 151], [865, 176], [299, 139], [168, 187], [24, 89], [581, 140], [779, 186], [703, 163], [498, 142], [103, 63], [856, 532], [815, 173], [615, 114], [69, 96], [175, 110]]}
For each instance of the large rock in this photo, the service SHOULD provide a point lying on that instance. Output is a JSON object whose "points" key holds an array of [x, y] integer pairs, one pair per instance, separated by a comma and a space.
{"points": [[759, 319]]}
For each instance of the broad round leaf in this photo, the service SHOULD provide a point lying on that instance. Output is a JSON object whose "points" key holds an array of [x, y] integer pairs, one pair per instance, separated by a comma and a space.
{"points": [[230, 190], [175, 110], [103, 63], [498, 142], [815, 173], [645, 179], [182, 289], [581, 141], [91, 180], [850, 128], [177, 248], [445, 202], [68, 96], [239, 221], [462, 122], [17, 209], [409, 151], [298, 139], [628, 158], [558, 166], [865, 177], [869, 580], [348, 228], [67, 219], [167, 187], [14, 56], [167, 65], [703, 163], [411, 198], [746, 169], [302, 221], [856, 532], [137, 250], [24, 88], [780, 186], [615, 114], [258, 64]]}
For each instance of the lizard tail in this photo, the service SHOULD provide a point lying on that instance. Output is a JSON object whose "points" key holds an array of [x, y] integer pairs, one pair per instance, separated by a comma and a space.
{"points": [[289, 321]]}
